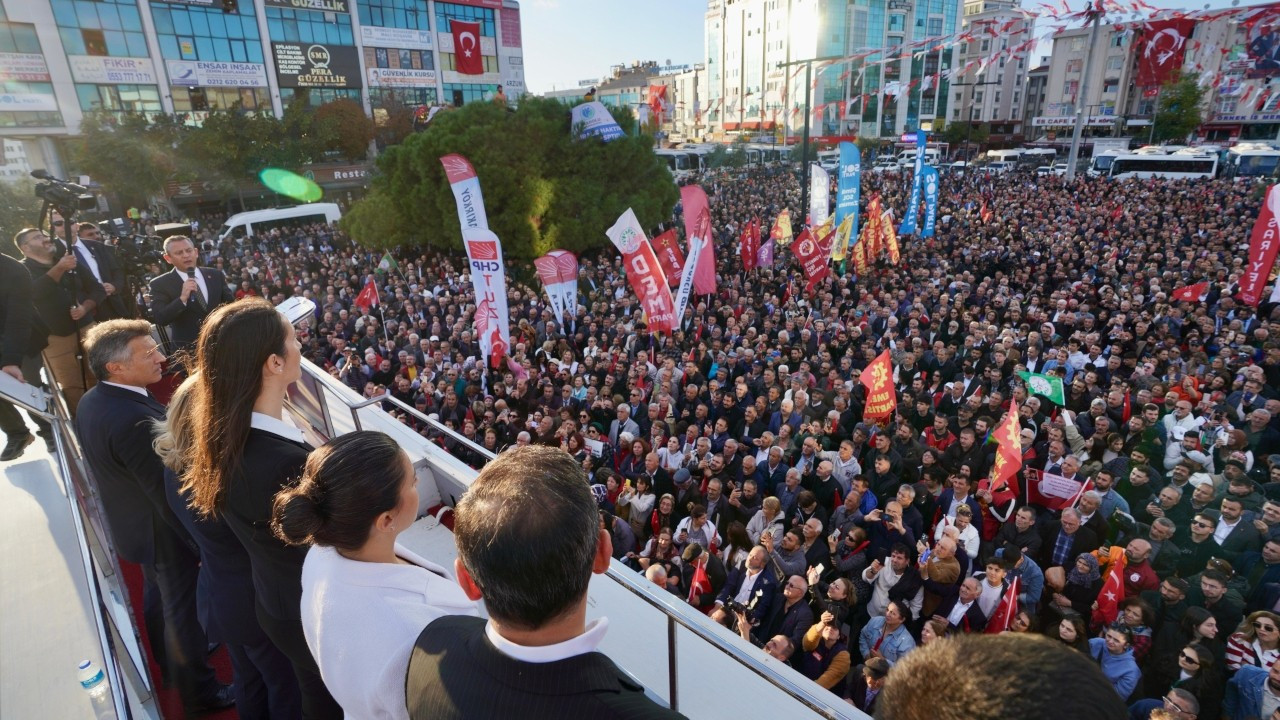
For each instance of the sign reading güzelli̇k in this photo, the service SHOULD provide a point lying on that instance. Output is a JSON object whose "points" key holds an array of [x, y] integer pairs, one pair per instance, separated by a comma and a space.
{"points": [[336, 6], [299, 65]]}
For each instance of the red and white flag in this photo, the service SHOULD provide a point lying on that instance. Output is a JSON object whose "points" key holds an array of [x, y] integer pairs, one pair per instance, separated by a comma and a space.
{"points": [[559, 272], [701, 583], [368, 297], [644, 272], [1192, 293], [1264, 242], [1161, 49], [669, 254], [1002, 617], [697, 223], [484, 259], [1112, 589], [809, 252], [466, 47]]}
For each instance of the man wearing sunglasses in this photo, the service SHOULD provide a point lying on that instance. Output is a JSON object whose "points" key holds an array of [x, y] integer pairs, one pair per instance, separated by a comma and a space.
{"points": [[1179, 703]]}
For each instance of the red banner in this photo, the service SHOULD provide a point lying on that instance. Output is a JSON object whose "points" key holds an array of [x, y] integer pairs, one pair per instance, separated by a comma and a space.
{"points": [[466, 47], [1108, 606], [644, 272], [1161, 50], [697, 222], [1191, 293], [747, 249], [878, 379], [809, 252], [669, 255], [1262, 250], [1008, 460], [658, 99]]}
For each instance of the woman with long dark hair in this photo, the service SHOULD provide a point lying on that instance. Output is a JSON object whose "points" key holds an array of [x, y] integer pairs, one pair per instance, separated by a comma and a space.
{"points": [[365, 597], [263, 682], [243, 454]]}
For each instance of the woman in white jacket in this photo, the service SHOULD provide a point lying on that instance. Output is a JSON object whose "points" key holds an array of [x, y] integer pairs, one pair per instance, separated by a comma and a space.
{"points": [[365, 598]]}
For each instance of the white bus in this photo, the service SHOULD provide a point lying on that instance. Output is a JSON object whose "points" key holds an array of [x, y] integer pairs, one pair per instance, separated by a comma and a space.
{"points": [[1251, 160], [681, 163], [256, 222], [1176, 166]]}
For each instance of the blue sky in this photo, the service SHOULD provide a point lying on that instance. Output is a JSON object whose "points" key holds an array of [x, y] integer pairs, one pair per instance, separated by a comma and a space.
{"points": [[570, 40]]}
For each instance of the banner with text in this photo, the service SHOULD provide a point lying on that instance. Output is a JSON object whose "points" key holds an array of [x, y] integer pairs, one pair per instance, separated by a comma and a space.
{"points": [[819, 194], [930, 201], [489, 277], [1263, 244], [299, 65], [908, 226], [592, 119], [559, 272], [644, 272], [849, 188]]}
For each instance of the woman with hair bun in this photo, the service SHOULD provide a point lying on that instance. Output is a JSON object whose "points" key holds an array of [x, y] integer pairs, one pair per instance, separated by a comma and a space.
{"points": [[365, 598]]}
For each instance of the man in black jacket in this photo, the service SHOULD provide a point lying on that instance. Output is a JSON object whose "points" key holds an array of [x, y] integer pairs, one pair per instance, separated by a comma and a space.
{"points": [[536, 656], [100, 259], [22, 336], [114, 426], [65, 295], [182, 299]]}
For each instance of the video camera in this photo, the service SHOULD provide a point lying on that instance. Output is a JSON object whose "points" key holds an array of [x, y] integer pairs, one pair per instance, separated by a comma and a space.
{"points": [[137, 252], [66, 196]]}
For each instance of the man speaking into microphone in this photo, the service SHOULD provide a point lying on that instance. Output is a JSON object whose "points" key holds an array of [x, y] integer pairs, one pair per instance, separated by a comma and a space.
{"points": [[180, 300]]}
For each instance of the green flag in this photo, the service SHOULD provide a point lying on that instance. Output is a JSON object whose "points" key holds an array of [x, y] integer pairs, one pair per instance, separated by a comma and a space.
{"points": [[387, 263], [1050, 386]]}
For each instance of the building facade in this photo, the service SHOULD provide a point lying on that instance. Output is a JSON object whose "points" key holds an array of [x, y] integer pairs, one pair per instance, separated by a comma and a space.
{"points": [[756, 53], [62, 58], [995, 96], [1110, 90]]}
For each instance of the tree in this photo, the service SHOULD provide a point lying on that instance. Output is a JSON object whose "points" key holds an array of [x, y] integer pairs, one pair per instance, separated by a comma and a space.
{"points": [[958, 133], [345, 129], [1178, 114], [130, 155], [233, 145], [19, 208], [543, 188], [722, 157], [394, 122]]}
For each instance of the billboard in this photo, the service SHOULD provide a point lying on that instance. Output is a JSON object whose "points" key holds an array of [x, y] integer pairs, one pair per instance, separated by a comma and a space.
{"points": [[299, 65], [112, 71], [1262, 41], [23, 67], [383, 37], [335, 6], [198, 73], [401, 77]]}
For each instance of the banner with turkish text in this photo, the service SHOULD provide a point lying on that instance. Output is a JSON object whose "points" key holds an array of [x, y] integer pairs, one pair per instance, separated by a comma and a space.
{"points": [[1054, 491], [877, 378], [697, 223], [908, 226], [1160, 50], [489, 276], [592, 119], [814, 262], [819, 194], [890, 238], [782, 228], [930, 201], [667, 248], [466, 191], [849, 187], [644, 272], [687, 278], [558, 270], [1263, 244], [466, 47]]}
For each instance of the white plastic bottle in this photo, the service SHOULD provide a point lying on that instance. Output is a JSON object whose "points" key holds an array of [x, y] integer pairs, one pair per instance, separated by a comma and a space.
{"points": [[94, 681]]}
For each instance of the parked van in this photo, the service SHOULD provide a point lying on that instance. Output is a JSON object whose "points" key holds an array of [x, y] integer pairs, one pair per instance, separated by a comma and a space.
{"points": [[907, 158], [256, 222]]}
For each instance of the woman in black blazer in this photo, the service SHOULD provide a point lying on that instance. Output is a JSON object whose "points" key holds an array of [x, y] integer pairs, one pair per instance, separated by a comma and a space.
{"points": [[244, 453], [264, 683]]}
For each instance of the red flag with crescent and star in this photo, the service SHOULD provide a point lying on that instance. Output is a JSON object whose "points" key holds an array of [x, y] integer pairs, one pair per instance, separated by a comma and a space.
{"points": [[1112, 593], [878, 379], [466, 47], [1002, 617], [1161, 49]]}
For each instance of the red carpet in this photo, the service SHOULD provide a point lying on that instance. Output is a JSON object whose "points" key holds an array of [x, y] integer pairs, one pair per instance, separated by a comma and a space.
{"points": [[167, 699]]}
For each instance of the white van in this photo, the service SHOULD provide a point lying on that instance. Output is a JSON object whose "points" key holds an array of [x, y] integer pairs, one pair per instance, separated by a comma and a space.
{"points": [[256, 222], [907, 158]]}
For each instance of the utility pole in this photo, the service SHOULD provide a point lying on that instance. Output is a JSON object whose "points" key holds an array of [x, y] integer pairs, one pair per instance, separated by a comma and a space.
{"points": [[1073, 158], [804, 144]]}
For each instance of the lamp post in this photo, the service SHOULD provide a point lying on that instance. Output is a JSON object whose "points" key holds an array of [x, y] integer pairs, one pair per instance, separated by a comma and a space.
{"points": [[804, 141], [968, 140], [1095, 15]]}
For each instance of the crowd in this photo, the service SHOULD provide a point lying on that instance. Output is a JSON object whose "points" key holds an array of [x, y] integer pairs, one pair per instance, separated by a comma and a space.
{"points": [[732, 464]]}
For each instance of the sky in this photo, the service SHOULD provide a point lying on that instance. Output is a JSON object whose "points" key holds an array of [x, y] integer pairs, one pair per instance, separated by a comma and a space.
{"points": [[570, 40]]}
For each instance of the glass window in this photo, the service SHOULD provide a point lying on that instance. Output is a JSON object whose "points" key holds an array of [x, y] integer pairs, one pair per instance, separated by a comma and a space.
{"points": [[490, 63], [380, 58], [458, 94], [406, 14], [95, 43], [447, 11]]}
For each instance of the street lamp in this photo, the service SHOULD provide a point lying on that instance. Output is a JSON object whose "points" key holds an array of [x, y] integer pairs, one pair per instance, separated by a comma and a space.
{"points": [[968, 140]]}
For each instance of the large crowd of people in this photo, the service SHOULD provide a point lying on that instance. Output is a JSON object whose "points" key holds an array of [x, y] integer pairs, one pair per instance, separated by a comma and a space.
{"points": [[732, 465]]}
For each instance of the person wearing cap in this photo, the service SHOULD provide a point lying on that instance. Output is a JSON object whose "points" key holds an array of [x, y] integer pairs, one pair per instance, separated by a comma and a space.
{"points": [[702, 593], [865, 684]]}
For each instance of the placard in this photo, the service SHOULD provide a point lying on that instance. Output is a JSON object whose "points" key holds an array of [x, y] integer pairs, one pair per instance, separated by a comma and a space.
{"points": [[395, 38], [23, 67], [28, 102], [198, 73], [112, 70], [334, 6], [401, 77], [316, 65]]}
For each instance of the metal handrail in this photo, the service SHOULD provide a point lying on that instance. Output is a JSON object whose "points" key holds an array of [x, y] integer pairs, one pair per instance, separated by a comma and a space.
{"points": [[677, 614]]}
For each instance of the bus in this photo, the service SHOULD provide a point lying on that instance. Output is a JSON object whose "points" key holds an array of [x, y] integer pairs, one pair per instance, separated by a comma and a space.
{"points": [[1251, 160], [1176, 166], [679, 162]]}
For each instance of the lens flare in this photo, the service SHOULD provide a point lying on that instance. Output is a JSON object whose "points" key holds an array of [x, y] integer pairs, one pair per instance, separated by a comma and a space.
{"points": [[291, 184]]}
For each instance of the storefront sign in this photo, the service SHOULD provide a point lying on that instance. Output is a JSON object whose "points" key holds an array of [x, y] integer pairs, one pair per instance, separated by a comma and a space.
{"points": [[316, 66], [216, 74], [1070, 120], [335, 6], [27, 102], [398, 77], [1270, 117], [395, 38], [112, 70], [23, 67]]}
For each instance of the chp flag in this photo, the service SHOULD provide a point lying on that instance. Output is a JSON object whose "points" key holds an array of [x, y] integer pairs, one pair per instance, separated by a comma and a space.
{"points": [[697, 226], [559, 272], [644, 272], [1191, 293], [484, 259], [1046, 386], [877, 378], [1263, 244]]}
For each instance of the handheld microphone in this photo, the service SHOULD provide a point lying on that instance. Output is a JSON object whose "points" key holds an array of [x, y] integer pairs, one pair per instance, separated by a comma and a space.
{"points": [[191, 275]]}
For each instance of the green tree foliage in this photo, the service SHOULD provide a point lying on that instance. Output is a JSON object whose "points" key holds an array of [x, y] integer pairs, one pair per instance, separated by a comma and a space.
{"points": [[131, 155], [375, 221], [722, 157], [232, 146], [543, 189], [346, 130], [19, 208], [957, 133], [1179, 113]]}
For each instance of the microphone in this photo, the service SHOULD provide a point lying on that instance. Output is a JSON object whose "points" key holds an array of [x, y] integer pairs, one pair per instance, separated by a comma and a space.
{"points": [[191, 275]]}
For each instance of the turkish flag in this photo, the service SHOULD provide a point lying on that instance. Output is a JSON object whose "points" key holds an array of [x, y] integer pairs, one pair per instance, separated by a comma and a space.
{"points": [[1160, 50], [368, 297], [701, 583], [466, 48], [1002, 617], [1112, 590], [1192, 293], [878, 379]]}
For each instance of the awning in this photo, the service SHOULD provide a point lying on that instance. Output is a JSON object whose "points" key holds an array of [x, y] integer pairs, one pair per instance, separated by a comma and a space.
{"points": [[731, 125], [769, 125], [751, 125]]}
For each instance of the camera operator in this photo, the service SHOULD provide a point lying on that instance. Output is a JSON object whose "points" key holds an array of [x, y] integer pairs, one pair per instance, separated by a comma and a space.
{"points": [[65, 297], [101, 260], [22, 336]]}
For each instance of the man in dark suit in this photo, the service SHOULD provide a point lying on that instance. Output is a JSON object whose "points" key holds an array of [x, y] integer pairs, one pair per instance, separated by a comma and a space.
{"points": [[22, 336], [101, 260], [181, 299], [114, 425], [1235, 531], [1064, 540], [962, 611], [536, 656], [752, 586], [865, 684]]}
